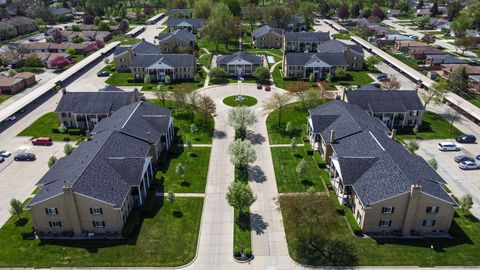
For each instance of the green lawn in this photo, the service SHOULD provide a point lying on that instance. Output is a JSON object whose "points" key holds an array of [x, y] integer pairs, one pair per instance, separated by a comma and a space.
{"points": [[294, 113], [285, 161], [124, 40], [195, 164], [341, 36], [205, 60], [4, 97], [125, 79], [278, 79], [433, 127], [182, 122], [354, 78], [242, 235], [165, 238], [181, 86], [249, 101], [47, 126], [407, 60], [462, 249]]}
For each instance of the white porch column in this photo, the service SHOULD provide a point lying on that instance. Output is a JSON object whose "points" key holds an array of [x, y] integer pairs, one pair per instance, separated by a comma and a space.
{"points": [[404, 119], [86, 121]]}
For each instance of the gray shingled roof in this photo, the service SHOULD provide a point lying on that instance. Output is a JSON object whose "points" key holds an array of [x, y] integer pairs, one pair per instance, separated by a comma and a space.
{"points": [[173, 60], [335, 45], [142, 47], [302, 59], [194, 22], [180, 34], [107, 166], [386, 101], [446, 59], [267, 29], [242, 56], [306, 36], [368, 87], [183, 11], [94, 102], [376, 166]]}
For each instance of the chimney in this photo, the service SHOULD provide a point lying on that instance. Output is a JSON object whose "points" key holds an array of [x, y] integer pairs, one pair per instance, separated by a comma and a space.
{"points": [[415, 190], [332, 136], [64, 91], [393, 134]]}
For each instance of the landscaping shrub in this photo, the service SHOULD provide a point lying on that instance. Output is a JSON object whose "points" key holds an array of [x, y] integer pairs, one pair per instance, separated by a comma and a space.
{"points": [[75, 131]]}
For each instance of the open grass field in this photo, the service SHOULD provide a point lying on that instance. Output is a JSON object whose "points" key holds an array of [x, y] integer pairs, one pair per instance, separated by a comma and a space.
{"points": [[47, 126], [433, 127]]}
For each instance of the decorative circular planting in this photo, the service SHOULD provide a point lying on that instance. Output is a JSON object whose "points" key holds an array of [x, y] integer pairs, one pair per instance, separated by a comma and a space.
{"points": [[240, 100]]}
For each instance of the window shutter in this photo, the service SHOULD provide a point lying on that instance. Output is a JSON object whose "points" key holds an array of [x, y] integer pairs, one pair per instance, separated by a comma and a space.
{"points": [[389, 223], [380, 223], [56, 211], [393, 209], [101, 210], [49, 223], [433, 222], [93, 222], [423, 223], [91, 211], [46, 212], [383, 210], [438, 208]]}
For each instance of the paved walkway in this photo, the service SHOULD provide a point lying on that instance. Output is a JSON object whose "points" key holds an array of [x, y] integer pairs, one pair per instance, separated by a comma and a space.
{"points": [[207, 79]]}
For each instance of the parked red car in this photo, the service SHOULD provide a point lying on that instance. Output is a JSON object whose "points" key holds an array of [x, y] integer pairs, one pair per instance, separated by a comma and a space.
{"points": [[42, 141], [267, 88]]}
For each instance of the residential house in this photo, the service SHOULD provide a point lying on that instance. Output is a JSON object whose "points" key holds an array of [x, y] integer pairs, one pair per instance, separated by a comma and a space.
{"points": [[353, 53], [179, 67], [86, 35], [84, 110], [447, 69], [301, 65], [421, 52], [303, 41], [176, 42], [296, 24], [61, 11], [91, 193], [17, 83], [396, 37], [190, 25], [47, 58], [389, 191], [239, 63], [439, 24], [369, 87], [435, 61], [178, 13], [475, 79], [379, 31], [46, 47], [395, 108], [268, 37], [423, 12], [394, 12], [404, 45], [124, 54]]}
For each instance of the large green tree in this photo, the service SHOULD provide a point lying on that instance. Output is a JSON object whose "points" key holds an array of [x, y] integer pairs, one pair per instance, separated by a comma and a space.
{"points": [[240, 196], [241, 153], [220, 26]]}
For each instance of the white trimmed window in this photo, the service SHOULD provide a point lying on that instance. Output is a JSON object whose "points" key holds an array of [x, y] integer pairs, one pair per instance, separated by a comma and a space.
{"points": [[432, 209], [428, 223], [96, 211], [385, 223], [51, 211], [55, 224], [98, 224], [388, 210]]}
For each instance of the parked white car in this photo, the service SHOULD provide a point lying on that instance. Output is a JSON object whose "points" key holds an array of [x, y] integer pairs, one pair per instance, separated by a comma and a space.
{"points": [[469, 165], [448, 146]]}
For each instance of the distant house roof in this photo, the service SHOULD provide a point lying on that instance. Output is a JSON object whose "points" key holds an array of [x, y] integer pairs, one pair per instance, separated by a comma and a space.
{"points": [[106, 167], [397, 37], [426, 50], [410, 43], [471, 70], [179, 34], [306, 36], [267, 29], [239, 56], [61, 11], [101, 102], [335, 45], [197, 23], [25, 75], [369, 87], [386, 101], [142, 47], [185, 12], [296, 19], [167, 61], [376, 166], [445, 59], [423, 11], [6, 81], [327, 59]]}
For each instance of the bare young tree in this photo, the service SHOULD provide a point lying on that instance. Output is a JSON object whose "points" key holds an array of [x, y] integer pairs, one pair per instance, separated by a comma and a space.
{"points": [[277, 102], [435, 94], [453, 116], [161, 94], [392, 84], [207, 107]]}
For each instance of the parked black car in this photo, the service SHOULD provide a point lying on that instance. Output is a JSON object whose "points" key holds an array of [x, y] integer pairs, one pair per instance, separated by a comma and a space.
{"points": [[103, 74], [466, 138], [24, 157]]}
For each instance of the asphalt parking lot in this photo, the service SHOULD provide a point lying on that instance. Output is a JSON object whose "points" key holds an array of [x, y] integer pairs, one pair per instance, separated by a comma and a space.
{"points": [[18, 178], [459, 181]]}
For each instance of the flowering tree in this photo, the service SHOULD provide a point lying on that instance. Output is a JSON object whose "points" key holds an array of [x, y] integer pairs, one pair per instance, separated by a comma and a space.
{"points": [[61, 61]]}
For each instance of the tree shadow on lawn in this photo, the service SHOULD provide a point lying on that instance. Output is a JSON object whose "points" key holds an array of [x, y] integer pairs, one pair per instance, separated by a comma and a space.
{"points": [[458, 238], [163, 164]]}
